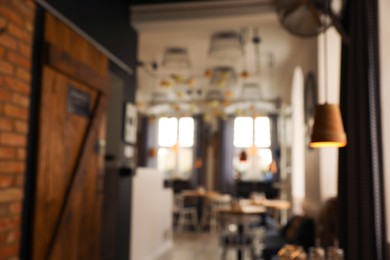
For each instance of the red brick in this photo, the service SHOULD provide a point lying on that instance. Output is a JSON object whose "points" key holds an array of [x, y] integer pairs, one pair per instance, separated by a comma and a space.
{"points": [[19, 60], [6, 124], [17, 85], [15, 111], [25, 49], [19, 181], [11, 15], [15, 208], [19, 33], [8, 42], [21, 127], [2, 22], [12, 167], [21, 153], [2, 51], [13, 139], [6, 181], [6, 67], [5, 95], [9, 251], [20, 100], [23, 9], [10, 195], [3, 237], [13, 235], [9, 223], [4, 210], [7, 153], [24, 75]]}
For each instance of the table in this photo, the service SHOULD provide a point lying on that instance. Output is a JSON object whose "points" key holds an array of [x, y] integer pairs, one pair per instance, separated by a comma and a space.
{"points": [[200, 195], [274, 204], [241, 211], [279, 207]]}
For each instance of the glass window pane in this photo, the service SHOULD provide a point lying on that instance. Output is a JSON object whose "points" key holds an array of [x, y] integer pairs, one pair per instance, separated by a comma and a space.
{"points": [[185, 163], [265, 158], [243, 132], [186, 132], [167, 131], [166, 162], [262, 132]]}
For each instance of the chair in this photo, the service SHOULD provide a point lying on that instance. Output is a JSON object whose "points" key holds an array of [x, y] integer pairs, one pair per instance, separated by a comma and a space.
{"points": [[186, 216], [230, 238], [210, 212]]}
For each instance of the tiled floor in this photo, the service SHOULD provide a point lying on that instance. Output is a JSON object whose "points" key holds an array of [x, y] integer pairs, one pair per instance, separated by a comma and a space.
{"points": [[197, 246]]}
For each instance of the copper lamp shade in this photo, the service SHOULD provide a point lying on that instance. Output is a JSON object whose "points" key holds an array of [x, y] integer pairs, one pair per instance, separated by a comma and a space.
{"points": [[243, 156], [328, 129]]}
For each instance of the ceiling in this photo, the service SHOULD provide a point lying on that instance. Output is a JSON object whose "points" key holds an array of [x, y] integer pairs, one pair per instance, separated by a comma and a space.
{"points": [[191, 27]]}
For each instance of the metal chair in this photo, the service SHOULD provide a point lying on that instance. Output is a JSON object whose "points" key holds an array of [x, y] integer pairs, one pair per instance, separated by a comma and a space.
{"points": [[186, 216], [210, 212], [230, 238]]}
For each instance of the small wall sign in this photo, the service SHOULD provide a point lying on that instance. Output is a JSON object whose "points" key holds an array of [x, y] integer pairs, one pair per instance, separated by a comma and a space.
{"points": [[78, 102]]}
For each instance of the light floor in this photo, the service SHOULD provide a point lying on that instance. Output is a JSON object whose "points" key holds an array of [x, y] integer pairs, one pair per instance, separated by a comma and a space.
{"points": [[197, 245]]}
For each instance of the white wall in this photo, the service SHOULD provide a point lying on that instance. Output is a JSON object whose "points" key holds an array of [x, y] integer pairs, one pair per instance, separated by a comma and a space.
{"points": [[151, 227], [298, 142], [384, 34], [328, 163]]}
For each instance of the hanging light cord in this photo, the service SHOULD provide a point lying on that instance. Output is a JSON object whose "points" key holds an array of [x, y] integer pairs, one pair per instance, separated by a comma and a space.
{"points": [[326, 59], [326, 68]]}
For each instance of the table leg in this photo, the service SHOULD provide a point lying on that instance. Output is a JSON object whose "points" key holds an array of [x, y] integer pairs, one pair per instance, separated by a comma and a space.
{"points": [[240, 235]]}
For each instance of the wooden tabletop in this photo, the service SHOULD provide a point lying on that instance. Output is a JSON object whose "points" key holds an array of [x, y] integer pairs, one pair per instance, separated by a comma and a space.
{"points": [[275, 204], [243, 210], [199, 193]]}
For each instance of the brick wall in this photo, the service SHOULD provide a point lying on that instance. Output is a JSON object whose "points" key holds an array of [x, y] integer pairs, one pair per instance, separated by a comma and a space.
{"points": [[17, 18]]}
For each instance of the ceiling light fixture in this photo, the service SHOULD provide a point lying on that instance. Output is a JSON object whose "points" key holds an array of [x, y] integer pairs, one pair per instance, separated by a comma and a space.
{"points": [[176, 58], [226, 45], [328, 128]]}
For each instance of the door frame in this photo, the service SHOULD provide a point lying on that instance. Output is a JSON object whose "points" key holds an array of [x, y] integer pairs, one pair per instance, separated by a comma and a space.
{"points": [[33, 136]]}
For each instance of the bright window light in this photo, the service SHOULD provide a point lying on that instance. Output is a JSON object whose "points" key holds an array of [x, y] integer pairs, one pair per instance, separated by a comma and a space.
{"points": [[262, 132], [243, 132], [265, 156], [167, 131], [186, 132]]}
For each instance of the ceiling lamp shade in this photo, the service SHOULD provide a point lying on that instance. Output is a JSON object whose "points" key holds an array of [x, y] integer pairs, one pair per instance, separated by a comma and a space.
{"points": [[328, 129], [226, 45], [176, 58]]}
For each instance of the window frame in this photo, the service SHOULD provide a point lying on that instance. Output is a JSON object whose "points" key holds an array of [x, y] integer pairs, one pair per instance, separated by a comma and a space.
{"points": [[177, 174]]}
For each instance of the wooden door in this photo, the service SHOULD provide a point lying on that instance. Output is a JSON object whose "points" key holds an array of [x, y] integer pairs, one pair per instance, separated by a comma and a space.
{"points": [[70, 166]]}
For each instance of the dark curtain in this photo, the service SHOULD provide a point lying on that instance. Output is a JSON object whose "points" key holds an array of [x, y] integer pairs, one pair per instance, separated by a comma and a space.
{"points": [[226, 183], [361, 200], [198, 178]]}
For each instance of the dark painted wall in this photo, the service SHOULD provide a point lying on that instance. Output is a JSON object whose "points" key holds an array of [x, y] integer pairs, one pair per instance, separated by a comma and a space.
{"points": [[145, 2]]}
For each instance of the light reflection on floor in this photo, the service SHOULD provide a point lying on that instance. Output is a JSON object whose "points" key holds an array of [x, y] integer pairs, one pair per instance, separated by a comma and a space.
{"points": [[197, 246]]}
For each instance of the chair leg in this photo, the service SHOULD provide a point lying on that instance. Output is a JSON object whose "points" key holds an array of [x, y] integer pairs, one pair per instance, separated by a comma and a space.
{"points": [[195, 221]]}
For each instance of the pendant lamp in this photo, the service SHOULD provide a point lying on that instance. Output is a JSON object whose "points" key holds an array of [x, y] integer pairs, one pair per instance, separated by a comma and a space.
{"points": [[243, 156], [328, 129]]}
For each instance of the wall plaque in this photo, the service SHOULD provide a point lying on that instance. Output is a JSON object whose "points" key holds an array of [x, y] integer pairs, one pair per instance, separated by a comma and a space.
{"points": [[78, 102]]}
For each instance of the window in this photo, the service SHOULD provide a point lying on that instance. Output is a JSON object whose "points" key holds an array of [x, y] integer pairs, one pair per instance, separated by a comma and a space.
{"points": [[175, 147], [252, 143]]}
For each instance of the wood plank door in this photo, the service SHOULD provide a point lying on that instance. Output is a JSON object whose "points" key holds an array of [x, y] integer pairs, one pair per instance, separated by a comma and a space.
{"points": [[69, 180]]}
